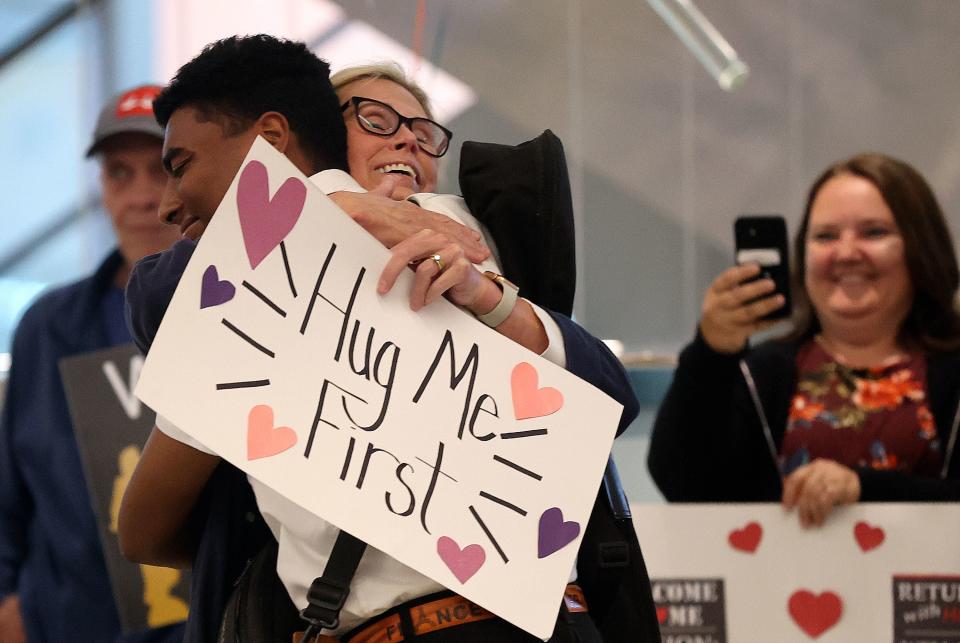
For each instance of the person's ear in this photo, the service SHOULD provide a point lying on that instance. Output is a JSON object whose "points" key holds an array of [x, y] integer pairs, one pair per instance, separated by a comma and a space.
{"points": [[274, 127]]}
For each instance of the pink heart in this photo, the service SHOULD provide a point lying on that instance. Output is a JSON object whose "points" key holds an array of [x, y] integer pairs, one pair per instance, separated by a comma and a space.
{"points": [[528, 400], [263, 440], [465, 562], [265, 221]]}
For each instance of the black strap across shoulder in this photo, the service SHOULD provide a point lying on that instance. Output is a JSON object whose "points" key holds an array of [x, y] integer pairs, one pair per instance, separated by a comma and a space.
{"points": [[329, 592]]}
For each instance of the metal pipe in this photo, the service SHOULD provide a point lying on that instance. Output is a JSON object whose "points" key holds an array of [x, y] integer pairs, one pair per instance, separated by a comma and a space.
{"points": [[704, 41]]}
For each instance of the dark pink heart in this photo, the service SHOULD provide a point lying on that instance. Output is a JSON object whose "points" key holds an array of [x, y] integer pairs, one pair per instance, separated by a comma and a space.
{"points": [[464, 563], [555, 533], [213, 290], [265, 222]]}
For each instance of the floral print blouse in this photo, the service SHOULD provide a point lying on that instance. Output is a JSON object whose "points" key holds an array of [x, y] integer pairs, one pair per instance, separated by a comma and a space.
{"points": [[875, 417]]}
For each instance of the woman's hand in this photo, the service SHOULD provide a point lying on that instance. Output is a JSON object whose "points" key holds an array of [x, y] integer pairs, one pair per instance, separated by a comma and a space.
{"points": [[732, 310], [393, 221], [11, 623], [453, 275], [816, 488]]}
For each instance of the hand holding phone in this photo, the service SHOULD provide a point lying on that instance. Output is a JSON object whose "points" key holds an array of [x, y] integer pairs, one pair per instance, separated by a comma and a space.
{"points": [[748, 298]]}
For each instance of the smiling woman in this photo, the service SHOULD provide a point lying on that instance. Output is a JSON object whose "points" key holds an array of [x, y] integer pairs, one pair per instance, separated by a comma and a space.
{"points": [[382, 96], [856, 273], [862, 401]]}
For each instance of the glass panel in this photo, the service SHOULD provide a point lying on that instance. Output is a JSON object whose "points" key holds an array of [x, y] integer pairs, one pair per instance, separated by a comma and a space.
{"points": [[20, 17], [42, 99]]}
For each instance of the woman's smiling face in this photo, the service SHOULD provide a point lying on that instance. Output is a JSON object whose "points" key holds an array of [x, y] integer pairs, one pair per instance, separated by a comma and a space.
{"points": [[856, 269], [370, 156]]}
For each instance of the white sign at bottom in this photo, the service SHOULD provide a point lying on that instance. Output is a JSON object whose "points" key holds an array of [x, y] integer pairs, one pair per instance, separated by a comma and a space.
{"points": [[748, 573]]}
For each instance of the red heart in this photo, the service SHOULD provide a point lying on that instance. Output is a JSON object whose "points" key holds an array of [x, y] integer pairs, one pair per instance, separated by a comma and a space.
{"points": [[868, 536], [529, 401], [263, 440], [815, 614], [746, 539], [662, 615]]}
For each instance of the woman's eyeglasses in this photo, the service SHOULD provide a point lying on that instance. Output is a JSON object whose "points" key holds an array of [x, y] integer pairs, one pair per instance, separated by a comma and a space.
{"points": [[381, 119]]}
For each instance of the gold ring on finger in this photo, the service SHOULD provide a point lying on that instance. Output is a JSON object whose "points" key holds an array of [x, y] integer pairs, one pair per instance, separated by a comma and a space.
{"points": [[437, 260]]}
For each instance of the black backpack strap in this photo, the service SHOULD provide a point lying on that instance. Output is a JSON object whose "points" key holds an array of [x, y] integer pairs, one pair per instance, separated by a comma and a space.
{"points": [[329, 592], [614, 553]]}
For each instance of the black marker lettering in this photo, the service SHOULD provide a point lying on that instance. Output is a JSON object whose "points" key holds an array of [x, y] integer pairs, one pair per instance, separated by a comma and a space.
{"points": [[431, 488], [473, 359], [366, 462], [318, 416], [413, 501], [476, 411], [346, 460], [387, 387]]}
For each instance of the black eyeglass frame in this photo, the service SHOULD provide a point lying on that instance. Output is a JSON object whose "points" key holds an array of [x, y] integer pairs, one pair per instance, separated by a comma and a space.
{"points": [[401, 120]]}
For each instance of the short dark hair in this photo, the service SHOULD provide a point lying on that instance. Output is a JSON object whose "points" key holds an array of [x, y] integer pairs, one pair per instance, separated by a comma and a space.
{"points": [[933, 322], [235, 80]]}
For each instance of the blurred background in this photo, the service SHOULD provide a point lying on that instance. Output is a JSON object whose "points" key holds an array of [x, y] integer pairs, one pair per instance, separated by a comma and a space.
{"points": [[661, 158]]}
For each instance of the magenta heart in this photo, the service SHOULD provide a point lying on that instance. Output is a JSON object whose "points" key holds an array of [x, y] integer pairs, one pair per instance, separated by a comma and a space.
{"points": [[555, 534], [213, 290], [464, 563], [265, 221]]}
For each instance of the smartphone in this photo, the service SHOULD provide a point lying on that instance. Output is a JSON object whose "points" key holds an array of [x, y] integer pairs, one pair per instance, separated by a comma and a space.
{"points": [[762, 239]]}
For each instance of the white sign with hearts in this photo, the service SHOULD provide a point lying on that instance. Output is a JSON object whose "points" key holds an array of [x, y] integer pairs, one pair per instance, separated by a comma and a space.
{"points": [[426, 434], [748, 573]]}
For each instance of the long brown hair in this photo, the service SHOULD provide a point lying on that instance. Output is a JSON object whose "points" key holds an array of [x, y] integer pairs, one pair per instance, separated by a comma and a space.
{"points": [[933, 321]]}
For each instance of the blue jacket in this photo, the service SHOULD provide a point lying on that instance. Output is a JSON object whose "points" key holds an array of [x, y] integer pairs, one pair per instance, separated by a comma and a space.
{"points": [[50, 552]]}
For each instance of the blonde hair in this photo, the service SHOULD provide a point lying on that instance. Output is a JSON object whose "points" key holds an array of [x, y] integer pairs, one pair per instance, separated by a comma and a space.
{"points": [[386, 70]]}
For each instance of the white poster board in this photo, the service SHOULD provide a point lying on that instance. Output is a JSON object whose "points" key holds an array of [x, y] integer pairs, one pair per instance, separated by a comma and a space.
{"points": [[428, 435], [748, 573]]}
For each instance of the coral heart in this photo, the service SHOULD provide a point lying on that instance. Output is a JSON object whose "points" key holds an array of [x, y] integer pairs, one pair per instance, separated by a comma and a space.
{"points": [[662, 615], [746, 539], [263, 440], [265, 222], [868, 536], [213, 290], [555, 533], [464, 563], [528, 400], [815, 614]]}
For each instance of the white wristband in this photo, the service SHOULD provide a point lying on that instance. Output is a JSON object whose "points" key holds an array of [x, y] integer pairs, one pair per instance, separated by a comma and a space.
{"points": [[507, 303]]}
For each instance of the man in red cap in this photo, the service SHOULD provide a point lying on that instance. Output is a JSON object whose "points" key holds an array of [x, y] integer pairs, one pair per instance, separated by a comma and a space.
{"points": [[53, 577]]}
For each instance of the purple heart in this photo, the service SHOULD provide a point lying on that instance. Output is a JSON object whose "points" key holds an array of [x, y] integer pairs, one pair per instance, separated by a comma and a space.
{"points": [[213, 290], [555, 534], [265, 222]]}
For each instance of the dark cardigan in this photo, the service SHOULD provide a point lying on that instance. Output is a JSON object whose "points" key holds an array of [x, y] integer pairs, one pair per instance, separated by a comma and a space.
{"points": [[708, 442]]}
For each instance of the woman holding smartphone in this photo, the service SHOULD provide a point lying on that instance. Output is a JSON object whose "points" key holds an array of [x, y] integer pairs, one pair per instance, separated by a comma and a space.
{"points": [[862, 400]]}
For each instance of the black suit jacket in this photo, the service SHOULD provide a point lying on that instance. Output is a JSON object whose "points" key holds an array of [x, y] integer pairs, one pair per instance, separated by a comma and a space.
{"points": [[522, 195]]}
